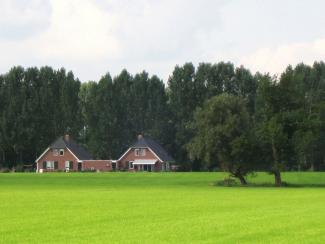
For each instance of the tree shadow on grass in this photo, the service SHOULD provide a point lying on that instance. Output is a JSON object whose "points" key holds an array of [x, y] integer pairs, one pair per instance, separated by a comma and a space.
{"points": [[287, 185], [234, 183], [309, 185]]}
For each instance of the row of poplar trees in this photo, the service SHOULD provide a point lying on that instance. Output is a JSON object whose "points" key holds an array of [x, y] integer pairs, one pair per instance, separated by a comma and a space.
{"points": [[287, 113]]}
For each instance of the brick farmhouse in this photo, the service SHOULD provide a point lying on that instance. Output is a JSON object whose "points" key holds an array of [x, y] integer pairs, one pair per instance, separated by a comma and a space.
{"points": [[65, 154], [145, 155]]}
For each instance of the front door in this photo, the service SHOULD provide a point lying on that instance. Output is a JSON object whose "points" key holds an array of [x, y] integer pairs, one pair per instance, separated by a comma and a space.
{"points": [[113, 166], [147, 167], [79, 166]]}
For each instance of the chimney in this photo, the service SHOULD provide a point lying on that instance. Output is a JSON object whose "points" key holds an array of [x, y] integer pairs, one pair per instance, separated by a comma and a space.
{"points": [[140, 136], [66, 137]]}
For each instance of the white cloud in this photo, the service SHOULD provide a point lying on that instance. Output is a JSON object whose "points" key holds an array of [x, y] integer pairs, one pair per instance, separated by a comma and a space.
{"points": [[79, 33], [92, 37], [79, 30], [275, 60], [21, 19]]}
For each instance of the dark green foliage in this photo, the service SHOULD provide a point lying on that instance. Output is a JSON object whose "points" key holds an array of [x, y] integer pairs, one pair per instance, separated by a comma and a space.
{"points": [[285, 114], [189, 88], [222, 135], [290, 120], [116, 111], [228, 181], [37, 105]]}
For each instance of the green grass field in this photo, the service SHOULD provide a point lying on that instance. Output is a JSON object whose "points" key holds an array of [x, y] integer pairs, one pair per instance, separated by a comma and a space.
{"points": [[159, 208]]}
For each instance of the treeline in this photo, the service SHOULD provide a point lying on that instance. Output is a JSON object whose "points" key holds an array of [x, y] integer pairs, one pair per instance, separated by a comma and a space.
{"points": [[36, 106], [39, 105], [286, 114]]}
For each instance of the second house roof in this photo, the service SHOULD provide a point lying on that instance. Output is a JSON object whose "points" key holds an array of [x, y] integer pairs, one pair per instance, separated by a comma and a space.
{"points": [[155, 147]]}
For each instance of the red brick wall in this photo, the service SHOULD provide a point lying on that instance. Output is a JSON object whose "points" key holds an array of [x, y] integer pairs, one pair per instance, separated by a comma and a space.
{"points": [[130, 156], [101, 165], [48, 156], [158, 166]]}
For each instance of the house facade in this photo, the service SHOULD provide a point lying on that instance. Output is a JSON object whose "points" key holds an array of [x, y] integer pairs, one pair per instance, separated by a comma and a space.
{"points": [[145, 155], [66, 155]]}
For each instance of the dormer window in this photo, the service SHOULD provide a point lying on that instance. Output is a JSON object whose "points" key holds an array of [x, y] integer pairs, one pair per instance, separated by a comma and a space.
{"points": [[140, 152], [61, 152], [55, 152]]}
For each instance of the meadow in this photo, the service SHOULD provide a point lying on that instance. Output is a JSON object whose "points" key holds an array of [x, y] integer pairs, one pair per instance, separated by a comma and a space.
{"points": [[159, 208]]}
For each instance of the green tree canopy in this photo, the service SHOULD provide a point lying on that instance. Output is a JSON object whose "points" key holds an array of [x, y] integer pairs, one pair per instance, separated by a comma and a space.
{"points": [[222, 134]]}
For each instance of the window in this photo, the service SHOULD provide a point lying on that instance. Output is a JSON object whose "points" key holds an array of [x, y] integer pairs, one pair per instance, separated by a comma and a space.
{"points": [[140, 152], [55, 152], [145, 167], [50, 164], [163, 167], [131, 165], [67, 164], [113, 166]]}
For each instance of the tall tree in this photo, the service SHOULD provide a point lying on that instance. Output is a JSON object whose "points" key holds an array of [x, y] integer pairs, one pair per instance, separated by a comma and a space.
{"points": [[223, 135], [182, 103]]}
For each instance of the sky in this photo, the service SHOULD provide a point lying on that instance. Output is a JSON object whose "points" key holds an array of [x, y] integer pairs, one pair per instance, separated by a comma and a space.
{"points": [[93, 37]]}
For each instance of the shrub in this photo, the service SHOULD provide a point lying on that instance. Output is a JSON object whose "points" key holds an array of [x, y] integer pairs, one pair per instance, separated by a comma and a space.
{"points": [[4, 170], [19, 168], [227, 182]]}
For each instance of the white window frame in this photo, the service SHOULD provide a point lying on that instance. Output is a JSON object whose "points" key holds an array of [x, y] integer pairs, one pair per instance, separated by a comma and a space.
{"points": [[49, 164], [163, 168], [138, 152], [114, 163], [145, 167], [167, 166], [67, 163], [56, 152], [131, 166], [61, 150]]}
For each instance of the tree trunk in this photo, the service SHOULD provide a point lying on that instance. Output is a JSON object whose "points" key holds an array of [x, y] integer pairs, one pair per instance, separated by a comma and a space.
{"points": [[276, 170], [243, 181], [312, 167], [21, 157], [237, 174], [3, 158], [277, 178]]}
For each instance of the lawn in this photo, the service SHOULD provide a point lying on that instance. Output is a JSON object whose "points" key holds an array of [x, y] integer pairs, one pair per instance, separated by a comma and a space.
{"points": [[159, 208]]}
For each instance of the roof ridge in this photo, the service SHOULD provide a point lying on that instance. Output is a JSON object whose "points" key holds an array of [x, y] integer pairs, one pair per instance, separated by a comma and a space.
{"points": [[78, 150], [154, 146]]}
